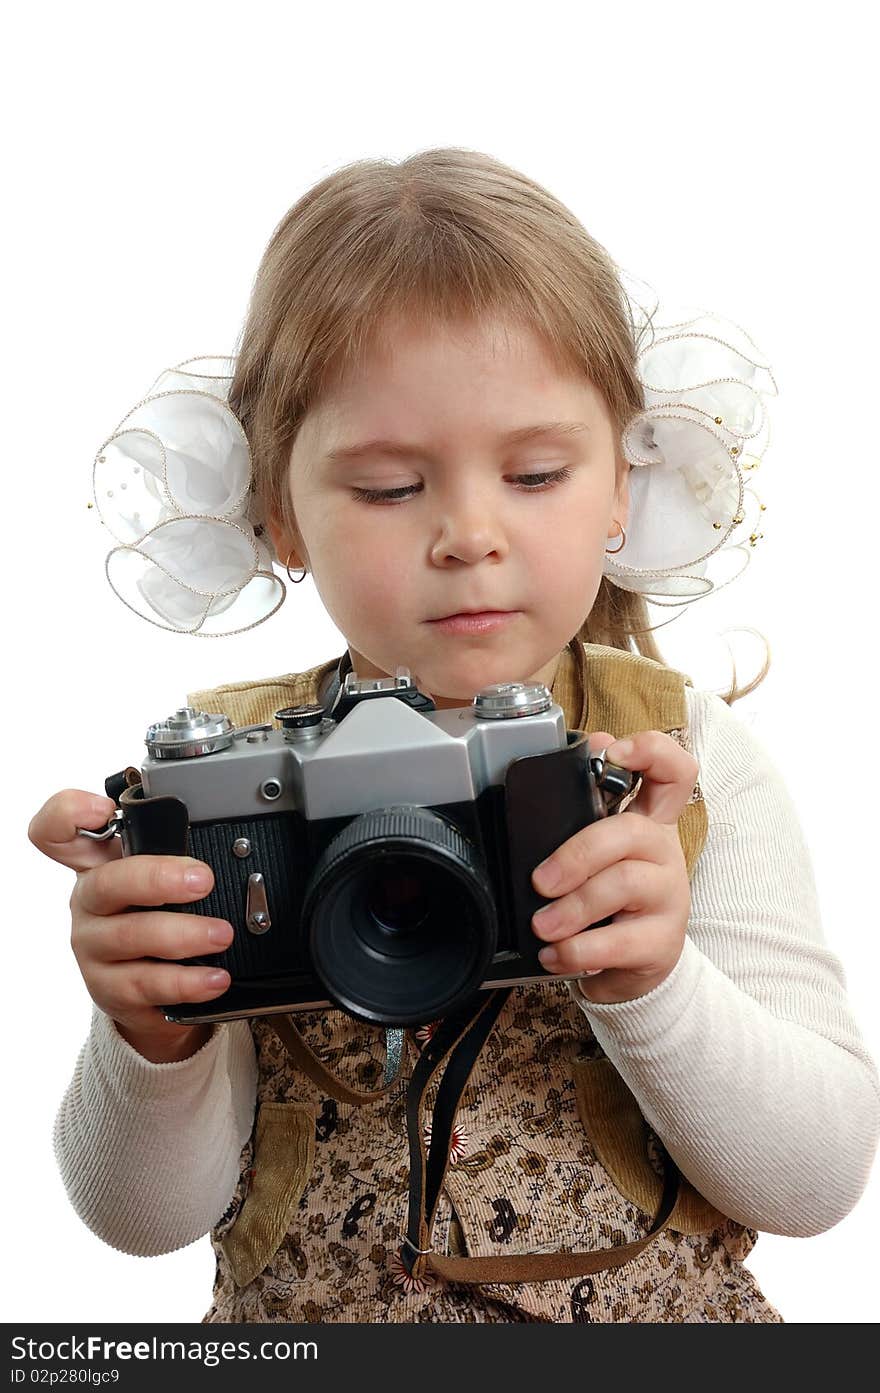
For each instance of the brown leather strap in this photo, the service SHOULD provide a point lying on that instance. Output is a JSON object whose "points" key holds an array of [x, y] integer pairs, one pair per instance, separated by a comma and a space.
{"points": [[548, 1267], [458, 1041], [303, 1056]]}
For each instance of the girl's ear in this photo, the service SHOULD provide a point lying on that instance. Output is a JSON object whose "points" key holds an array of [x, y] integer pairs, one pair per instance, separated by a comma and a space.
{"points": [[286, 547]]}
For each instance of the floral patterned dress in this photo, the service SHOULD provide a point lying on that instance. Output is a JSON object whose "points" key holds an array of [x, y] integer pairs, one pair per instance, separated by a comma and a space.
{"points": [[525, 1176]]}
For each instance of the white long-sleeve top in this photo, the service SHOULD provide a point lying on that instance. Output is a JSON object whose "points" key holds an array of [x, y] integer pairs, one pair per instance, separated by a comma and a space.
{"points": [[746, 1060]]}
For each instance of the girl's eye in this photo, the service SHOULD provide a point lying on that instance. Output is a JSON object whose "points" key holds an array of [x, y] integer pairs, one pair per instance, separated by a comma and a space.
{"points": [[537, 483], [385, 495], [527, 483]]}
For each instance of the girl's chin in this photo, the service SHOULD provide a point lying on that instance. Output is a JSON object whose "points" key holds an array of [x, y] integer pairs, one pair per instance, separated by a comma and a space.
{"points": [[446, 692]]}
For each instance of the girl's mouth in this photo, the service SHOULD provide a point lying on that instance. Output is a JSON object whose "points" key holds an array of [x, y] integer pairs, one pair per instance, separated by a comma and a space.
{"points": [[487, 621]]}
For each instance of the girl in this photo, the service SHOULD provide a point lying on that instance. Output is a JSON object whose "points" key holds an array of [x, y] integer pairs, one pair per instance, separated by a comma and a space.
{"points": [[438, 386]]}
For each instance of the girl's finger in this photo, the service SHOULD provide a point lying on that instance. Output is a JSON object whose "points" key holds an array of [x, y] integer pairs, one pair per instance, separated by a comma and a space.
{"points": [[669, 773], [598, 741], [53, 830], [620, 945], [121, 988], [141, 880], [149, 934], [631, 886], [621, 837]]}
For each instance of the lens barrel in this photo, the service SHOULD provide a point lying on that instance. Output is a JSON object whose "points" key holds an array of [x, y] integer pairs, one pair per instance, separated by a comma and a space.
{"points": [[400, 917]]}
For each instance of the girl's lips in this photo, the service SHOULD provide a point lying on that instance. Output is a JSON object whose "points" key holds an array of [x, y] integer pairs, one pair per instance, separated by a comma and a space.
{"points": [[486, 622]]}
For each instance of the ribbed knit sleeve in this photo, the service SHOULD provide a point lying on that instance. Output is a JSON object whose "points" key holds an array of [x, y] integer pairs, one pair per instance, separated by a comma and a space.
{"points": [[747, 1060], [149, 1153]]}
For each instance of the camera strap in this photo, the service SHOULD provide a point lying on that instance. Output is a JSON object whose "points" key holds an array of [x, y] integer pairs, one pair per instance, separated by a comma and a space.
{"points": [[315, 1069], [458, 1041]]}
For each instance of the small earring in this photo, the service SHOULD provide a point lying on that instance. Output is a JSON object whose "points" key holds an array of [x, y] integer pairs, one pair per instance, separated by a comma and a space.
{"points": [[612, 551], [297, 579]]}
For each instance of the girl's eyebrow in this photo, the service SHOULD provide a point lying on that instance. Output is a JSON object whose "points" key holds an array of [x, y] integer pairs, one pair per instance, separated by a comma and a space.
{"points": [[344, 454]]}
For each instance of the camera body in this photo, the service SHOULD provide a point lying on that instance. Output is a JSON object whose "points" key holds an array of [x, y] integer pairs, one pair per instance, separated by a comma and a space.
{"points": [[376, 856]]}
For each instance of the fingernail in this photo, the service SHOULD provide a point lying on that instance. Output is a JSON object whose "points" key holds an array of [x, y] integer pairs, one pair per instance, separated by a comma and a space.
{"points": [[197, 878], [548, 918], [621, 749], [548, 957], [217, 978], [220, 933], [549, 875]]}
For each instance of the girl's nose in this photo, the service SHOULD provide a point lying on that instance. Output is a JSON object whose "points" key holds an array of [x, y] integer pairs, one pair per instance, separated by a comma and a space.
{"points": [[468, 532]]}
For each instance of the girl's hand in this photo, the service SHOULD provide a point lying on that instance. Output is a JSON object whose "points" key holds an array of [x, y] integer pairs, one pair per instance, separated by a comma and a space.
{"points": [[129, 957], [631, 865]]}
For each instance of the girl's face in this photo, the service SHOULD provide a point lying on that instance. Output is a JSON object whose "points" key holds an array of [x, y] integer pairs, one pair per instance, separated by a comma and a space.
{"points": [[502, 471]]}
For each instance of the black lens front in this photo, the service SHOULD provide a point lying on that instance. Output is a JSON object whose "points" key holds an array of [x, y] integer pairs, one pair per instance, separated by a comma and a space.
{"points": [[400, 917], [398, 900]]}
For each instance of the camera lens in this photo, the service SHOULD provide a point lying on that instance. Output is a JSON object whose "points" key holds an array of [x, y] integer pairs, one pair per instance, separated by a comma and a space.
{"points": [[397, 900], [400, 917]]}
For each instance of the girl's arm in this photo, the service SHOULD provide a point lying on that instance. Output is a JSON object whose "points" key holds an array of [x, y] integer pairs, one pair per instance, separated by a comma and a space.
{"points": [[149, 1153], [746, 1060]]}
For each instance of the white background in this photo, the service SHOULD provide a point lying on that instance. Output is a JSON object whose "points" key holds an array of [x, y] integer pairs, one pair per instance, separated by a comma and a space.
{"points": [[721, 152]]}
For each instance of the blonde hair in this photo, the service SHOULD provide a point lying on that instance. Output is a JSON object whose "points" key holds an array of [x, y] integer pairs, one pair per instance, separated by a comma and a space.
{"points": [[443, 235]]}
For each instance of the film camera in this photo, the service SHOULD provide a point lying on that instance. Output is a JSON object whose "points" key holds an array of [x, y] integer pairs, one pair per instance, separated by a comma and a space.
{"points": [[376, 856]]}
